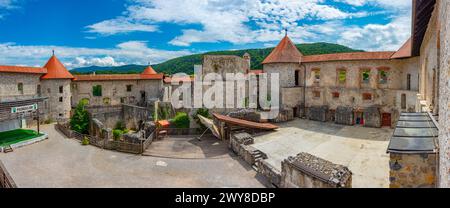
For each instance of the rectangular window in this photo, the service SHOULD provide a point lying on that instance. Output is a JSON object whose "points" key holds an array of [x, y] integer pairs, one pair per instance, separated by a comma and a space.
{"points": [[403, 101], [365, 76], [408, 82], [367, 96], [316, 75], [20, 88], [342, 76], [129, 88], [316, 94], [297, 78], [122, 100], [61, 89], [97, 91], [60, 99], [336, 95], [383, 77], [38, 90]]}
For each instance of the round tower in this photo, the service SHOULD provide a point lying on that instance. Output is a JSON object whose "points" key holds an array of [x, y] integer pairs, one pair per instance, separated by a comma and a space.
{"points": [[56, 85]]}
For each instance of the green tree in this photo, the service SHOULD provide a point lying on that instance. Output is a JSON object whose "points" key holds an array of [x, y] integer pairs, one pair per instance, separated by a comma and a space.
{"points": [[181, 121], [80, 119]]}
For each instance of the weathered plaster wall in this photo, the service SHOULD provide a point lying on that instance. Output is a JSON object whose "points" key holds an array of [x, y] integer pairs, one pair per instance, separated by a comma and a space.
{"points": [[9, 86], [413, 170], [51, 88], [429, 64], [444, 93], [116, 91]]}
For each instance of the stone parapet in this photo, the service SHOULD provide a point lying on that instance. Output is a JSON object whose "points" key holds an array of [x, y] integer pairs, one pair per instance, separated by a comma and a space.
{"points": [[308, 171]]}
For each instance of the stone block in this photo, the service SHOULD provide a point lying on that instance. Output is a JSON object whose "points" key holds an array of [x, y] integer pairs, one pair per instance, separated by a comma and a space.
{"points": [[344, 115], [308, 171], [318, 113], [372, 117]]}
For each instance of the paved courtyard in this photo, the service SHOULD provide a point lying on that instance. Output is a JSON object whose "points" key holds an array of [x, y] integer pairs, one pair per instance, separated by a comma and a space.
{"points": [[362, 150], [62, 162]]}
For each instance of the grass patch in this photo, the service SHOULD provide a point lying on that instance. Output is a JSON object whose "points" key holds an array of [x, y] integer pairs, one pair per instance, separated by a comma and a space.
{"points": [[12, 137]]}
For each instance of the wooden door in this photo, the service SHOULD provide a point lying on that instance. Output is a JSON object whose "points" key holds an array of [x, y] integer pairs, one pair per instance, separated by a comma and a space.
{"points": [[386, 120]]}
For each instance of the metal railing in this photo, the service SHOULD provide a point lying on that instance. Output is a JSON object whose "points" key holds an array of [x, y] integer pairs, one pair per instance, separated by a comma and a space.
{"points": [[5, 179]]}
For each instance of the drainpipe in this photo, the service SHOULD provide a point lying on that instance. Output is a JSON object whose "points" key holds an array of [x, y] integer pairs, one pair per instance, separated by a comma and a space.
{"points": [[304, 88]]}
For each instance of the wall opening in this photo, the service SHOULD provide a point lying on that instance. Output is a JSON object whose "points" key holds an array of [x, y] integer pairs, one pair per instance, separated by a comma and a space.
{"points": [[297, 78], [403, 101]]}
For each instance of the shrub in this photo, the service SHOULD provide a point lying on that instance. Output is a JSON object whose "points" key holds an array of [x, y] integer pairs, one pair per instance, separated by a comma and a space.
{"points": [[85, 141], [181, 121], [80, 119], [117, 134], [49, 121], [202, 112], [120, 125]]}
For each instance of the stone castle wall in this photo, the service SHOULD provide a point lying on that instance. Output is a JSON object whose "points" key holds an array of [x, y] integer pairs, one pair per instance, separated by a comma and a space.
{"points": [[9, 86], [413, 170], [444, 95], [58, 103], [115, 92], [429, 64]]}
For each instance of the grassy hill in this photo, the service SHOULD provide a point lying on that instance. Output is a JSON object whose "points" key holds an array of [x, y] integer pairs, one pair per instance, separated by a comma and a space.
{"points": [[186, 63]]}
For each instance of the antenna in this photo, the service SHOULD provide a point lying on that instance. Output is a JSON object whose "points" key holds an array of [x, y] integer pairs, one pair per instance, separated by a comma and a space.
{"points": [[286, 31], [53, 51]]}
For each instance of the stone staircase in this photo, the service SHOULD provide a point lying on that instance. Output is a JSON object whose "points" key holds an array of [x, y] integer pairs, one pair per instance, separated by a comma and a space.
{"points": [[257, 156], [8, 149]]}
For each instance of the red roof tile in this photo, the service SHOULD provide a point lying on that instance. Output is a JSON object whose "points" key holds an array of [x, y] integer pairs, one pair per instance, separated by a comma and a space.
{"points": [[23, 69], [285, 52], [257, 71], [118, 77], [170, 79], [348, 57], [56, 70], [149, 70], [405, 51]]}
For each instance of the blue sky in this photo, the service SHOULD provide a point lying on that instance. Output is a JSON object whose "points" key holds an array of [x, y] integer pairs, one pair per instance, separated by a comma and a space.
{"points": [[118, 32]]}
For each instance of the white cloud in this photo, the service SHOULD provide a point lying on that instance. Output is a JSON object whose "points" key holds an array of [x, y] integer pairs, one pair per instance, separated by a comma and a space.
{"points": [[227, 20], [377, 37], [82, 61], [136, 52], [121, 25], [7, 5]]}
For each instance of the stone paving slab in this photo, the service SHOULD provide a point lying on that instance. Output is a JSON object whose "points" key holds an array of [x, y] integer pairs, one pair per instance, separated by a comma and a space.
{"points": [[188, 147], [362, 150]]}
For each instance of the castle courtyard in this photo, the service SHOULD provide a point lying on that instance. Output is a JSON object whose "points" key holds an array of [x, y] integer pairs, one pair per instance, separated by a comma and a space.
{"points": [[362, 150], [64, 163]]}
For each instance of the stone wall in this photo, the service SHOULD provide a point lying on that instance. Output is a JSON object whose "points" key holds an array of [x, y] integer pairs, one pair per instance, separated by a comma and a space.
{"points": [[271, 173], [135, 116], [372, 117], [344, 116], [413, 170], [318, 113], [9, 86], [308, 171], [115, 92], [444, 93], [58, 103]]}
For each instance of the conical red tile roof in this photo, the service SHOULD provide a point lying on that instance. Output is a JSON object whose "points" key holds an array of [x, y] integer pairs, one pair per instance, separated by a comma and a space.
{"points": [[56, 70], [149, 71], [285, 52]]}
